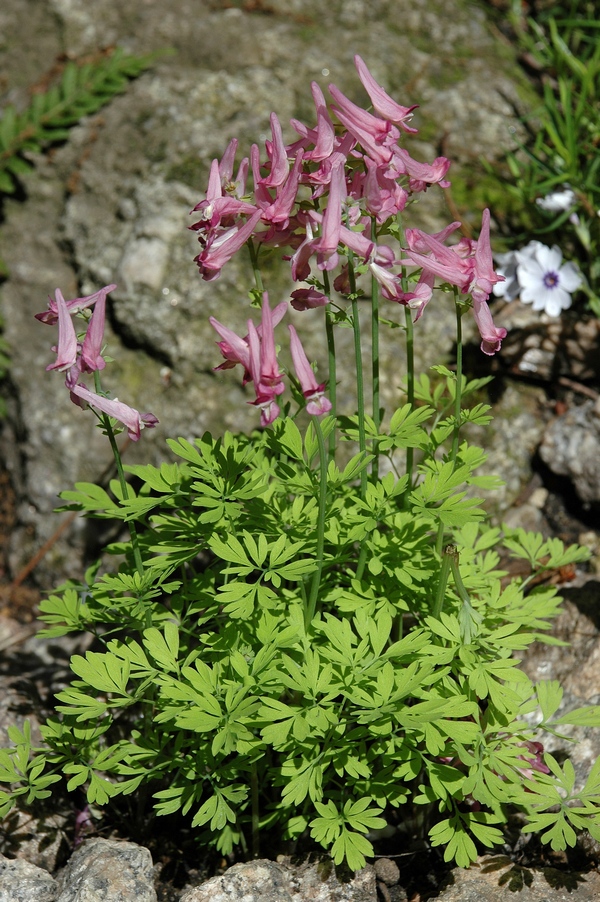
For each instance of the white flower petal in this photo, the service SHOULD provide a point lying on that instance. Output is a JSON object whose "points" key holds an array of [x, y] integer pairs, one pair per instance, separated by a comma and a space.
{"points": [[570, 277], [549, 258], [530, 275], [558, 301], [557, 200]]}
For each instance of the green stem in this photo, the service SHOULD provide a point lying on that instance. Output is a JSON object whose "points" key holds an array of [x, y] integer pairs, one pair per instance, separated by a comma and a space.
{"points": [[255, 268], [331, 360], [360, 391], [375, 357], [443, 580], [457, 404], [410, 388], [459, 378], [316, 579], [105, 420]]}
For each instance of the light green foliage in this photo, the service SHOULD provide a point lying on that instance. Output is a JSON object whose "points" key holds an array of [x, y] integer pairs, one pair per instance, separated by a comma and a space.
{"points": [[210, 688]]}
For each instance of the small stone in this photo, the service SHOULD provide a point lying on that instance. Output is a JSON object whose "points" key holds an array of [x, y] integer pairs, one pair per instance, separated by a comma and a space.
{"points": [[103, 870], [387, 871], [21, 881]]}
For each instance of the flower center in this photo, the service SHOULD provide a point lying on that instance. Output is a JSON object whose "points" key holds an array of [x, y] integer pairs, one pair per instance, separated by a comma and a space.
{"points": [[550, 279]]}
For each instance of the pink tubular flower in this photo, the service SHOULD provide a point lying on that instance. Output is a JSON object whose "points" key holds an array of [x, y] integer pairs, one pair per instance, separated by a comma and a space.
{"points": [[128, 416], [327, 244], [467, 265], [221, 247], [262, 366], [308, 298], [419, 297], [484, 276], [216, 207], [377, 137], [277, 212], [50, 316], [317, 404], [279, 166], [66, 352], [235, 349], [269, 368], [420, 174], [258, 356], [383, 196], [322, 137], [382, 102], [91, 351], [491, 335], [76, 358]]}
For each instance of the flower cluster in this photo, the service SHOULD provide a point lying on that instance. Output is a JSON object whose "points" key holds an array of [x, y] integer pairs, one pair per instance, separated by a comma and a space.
{"points": [[76, 357], [327, 199], [257, 355], [537, 275]]}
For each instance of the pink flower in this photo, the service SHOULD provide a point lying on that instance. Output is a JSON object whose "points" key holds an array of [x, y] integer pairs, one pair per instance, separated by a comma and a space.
{"points": [[491, 335], [128, 416], [66, 352], [383, 196], [91, 356], [419, 174], [317, 404], [442, 261], [235, 349], [220, 247], [376, 136], [268, 368], [308, 298], [484, 277], [326, 244], [260, 368], [257, 354], [421, 294], [50, 316], [382, 102], [276, 151], [468, 265], [323, 137], [216, 207], [277, 212]]}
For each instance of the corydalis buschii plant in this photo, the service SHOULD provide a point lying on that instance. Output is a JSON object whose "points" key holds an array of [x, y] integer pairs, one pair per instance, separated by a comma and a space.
{"points": [[290, 645]]}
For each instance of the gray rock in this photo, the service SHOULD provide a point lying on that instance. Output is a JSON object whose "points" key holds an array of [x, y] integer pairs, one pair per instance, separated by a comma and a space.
{"points": [[21, 881], [269, 881], [103, 870], [494, 879], [39, 840], [571, 447]]}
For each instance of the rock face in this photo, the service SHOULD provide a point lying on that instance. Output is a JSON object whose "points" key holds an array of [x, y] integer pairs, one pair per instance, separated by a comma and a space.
{"points": [[112, 203], [571, 447]]}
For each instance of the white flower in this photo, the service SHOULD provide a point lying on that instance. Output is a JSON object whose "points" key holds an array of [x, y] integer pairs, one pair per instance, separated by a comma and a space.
{"points": [[510, 288], [558, 201], [545, 281]]}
